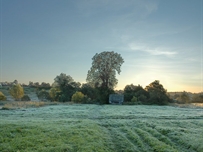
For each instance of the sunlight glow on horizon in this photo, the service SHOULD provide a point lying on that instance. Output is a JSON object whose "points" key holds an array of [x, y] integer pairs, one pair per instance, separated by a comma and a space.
{"points": [[158, 40]]}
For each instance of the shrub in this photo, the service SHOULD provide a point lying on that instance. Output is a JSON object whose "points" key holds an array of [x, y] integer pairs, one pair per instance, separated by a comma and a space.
{"points": [[89, 91], [23, 104], [43, 95], [17, 92], [53, 93], [78, 97], [2, 96], [134, 99], [197, 98], [183, 98], [25, 98]]}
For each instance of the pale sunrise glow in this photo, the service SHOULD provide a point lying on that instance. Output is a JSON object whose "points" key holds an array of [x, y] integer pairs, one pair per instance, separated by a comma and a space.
{"points": [[158, 40]]}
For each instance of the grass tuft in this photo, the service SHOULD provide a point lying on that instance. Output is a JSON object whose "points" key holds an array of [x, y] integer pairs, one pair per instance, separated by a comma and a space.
{"points": [[24, 104]]}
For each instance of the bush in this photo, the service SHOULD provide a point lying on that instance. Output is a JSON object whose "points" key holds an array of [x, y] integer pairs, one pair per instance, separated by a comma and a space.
{"points": [[2, 96], [43, 95], [53, 93], [78, 97], [17, 92], [89, 91], [25, 98], [197, 98], [134, 99], [183, 98]]}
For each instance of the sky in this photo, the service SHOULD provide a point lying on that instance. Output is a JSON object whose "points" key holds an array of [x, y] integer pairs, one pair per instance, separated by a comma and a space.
{"points": [[158, 40]]}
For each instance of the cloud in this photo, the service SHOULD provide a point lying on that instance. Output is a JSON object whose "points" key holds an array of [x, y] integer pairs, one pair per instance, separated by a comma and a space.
{"points": [[151, 50]]}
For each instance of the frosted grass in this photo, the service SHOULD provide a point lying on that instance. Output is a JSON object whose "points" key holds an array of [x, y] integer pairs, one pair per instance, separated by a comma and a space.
{"points": [[120, 128]]}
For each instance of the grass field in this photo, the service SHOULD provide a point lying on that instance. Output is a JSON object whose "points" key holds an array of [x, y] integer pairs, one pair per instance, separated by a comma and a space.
{"points": [[102, 128]]}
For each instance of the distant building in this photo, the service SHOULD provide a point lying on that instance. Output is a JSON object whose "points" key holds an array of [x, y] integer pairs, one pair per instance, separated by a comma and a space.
{"points": [[116, 98]]}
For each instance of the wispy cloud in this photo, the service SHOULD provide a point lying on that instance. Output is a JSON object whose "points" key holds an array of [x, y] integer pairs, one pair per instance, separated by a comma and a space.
{"points": [[151, 50]]}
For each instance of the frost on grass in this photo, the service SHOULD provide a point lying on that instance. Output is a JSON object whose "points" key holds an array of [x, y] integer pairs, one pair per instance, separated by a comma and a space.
{"points": [[102, 128]]}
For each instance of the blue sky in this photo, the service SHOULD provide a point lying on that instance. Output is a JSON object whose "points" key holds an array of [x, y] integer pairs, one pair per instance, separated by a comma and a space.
{"points": [[158, 39]]}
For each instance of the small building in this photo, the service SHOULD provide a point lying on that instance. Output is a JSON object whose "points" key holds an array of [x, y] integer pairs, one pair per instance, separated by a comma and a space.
{"points": [[116, 98]]}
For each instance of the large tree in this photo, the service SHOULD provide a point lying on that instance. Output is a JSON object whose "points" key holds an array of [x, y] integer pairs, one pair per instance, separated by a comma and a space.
{"points": [[104, 68], [66, 85], [157, 93]]}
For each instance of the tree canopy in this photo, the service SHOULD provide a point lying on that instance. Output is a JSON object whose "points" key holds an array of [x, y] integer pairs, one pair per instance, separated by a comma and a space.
{"points": [[157, 93], [104, 68], [66, 85], [131, 91], [88, 90]]}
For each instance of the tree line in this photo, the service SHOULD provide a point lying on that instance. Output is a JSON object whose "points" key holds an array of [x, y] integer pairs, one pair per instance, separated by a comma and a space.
{"points": [[101, 81]]}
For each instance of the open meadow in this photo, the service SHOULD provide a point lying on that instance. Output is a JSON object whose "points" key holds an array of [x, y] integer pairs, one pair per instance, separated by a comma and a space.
{"points": [[102, 128]]}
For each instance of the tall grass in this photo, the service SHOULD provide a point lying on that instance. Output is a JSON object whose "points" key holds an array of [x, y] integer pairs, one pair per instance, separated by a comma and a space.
{"points": [[24, 104]]}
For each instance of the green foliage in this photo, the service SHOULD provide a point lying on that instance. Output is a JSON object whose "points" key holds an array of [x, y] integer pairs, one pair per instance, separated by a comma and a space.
{"points": [[107, 128], [104, 68], [44, 85], [2, 96], [142, 98], [134, 99], [157, 93], [88, 137], [103, 94], [16, 91], [89, 91], [67, 87], [87, 100], [53, 93], [43, 95], [25, 98], [78, 97], [131, 90]]}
